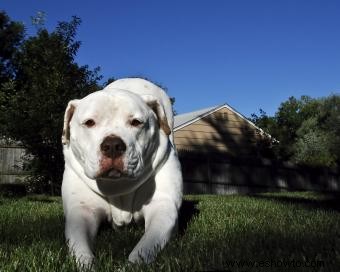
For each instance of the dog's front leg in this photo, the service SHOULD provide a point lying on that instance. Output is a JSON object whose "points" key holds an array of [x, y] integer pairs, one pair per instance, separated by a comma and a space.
{"points": [[81, 229], [160, 222]]}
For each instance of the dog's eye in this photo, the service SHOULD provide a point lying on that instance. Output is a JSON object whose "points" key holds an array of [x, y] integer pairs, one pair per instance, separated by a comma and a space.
{"points": [[89, 123], [136, 122]]}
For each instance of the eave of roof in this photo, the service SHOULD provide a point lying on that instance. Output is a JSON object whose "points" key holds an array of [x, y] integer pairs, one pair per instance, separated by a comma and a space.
{"points": [[185, 119]]}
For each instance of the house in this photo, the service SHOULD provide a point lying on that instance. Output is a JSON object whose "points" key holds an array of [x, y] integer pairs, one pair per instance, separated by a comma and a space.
{"points": [[220, 129], [220, 150]]}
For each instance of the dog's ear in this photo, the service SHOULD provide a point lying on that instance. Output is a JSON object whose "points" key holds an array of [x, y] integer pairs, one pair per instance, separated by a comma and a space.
{"points": [[65, 138], [158, 109]]}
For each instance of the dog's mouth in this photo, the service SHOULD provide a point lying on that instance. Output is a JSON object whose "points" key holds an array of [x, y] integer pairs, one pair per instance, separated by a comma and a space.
{"points": [[111, 173], [111, 168]]}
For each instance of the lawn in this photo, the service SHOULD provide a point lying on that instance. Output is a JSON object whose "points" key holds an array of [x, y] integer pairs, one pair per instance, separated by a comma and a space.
{"points": [[263, 232]]}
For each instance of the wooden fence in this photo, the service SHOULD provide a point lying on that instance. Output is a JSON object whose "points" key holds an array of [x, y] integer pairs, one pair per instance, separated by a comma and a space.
{"points": [[212, 174], [11, 164]]}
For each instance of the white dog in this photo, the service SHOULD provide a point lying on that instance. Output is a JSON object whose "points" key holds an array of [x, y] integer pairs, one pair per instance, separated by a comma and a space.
{"points": [[120, 165]]}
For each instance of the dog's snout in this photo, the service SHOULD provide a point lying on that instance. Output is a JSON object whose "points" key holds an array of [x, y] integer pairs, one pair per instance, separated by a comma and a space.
{"points": [[113, 146]]}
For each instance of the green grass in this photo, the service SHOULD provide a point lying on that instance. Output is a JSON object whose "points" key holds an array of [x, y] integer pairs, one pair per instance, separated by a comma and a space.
{"points": [[265, 230]]}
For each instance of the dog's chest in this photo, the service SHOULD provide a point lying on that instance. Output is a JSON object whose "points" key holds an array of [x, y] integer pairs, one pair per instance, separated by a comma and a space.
{"points": [[122, 210]]}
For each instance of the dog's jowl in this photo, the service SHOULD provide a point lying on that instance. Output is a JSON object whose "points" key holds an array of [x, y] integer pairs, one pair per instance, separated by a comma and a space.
{"points": [[120, 165]]}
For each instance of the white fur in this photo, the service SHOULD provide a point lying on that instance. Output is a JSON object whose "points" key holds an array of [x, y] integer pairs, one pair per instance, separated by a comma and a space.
{"points": [[146, 90], [152, 187]]}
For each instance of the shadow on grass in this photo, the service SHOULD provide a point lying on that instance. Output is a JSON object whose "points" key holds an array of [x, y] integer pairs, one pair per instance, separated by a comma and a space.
{"points": [[315, 252], [24, 232], [186, 213], [30, 220], [327, 202]]}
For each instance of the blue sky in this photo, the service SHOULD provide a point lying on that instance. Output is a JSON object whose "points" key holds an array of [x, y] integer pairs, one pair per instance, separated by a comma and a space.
{"points": [[250, 54]]}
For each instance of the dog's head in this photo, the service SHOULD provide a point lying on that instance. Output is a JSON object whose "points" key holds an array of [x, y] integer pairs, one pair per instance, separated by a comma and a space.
{"points": [[115, 136]]}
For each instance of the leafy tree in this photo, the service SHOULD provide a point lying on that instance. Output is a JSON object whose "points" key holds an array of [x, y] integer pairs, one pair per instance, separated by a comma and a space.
{"points": [[39, 19], [313, 146], [47, 77], [265, 122], [289, 118], [308, 130], [11, 37], [329, 120], [266, 147]]}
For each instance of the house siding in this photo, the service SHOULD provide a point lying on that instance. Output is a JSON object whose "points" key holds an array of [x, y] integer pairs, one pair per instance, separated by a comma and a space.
{"points": [[222, 131]]}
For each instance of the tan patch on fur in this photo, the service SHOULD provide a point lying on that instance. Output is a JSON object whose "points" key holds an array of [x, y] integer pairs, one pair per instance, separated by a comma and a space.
{"points": [[163, 122], [66, 130]]}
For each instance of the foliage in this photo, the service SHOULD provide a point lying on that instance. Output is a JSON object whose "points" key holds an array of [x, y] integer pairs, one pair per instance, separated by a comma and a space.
{"points": [[313, 145], [109, 81], [308, 130], [46, 78], [39, 20], [11, 37], [223, 229]]}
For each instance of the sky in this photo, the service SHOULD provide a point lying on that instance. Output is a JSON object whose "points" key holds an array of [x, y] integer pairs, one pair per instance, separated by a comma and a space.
{"points": [[249, 54]]}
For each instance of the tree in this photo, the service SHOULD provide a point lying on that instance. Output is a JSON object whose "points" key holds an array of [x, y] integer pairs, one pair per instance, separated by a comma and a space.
{"points": [[47, 77], [265, 122], [11, 37], [329, 120], [308, 130], [313, 145]]}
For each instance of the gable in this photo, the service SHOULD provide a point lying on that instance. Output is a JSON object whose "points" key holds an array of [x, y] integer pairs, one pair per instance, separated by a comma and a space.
{"points": [[223, 130]]}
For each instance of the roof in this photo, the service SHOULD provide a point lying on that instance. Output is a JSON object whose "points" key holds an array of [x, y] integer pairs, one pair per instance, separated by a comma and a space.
{"points": [[186, 119], [183, 119]]}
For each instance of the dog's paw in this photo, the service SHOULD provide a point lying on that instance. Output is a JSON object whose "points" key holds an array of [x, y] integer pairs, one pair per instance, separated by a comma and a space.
{"points": [[85, 263], [141, 256], [134, 257]]}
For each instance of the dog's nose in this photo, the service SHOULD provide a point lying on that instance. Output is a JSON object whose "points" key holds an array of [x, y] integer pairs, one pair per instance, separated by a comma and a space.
{"points": [[113, 146]]}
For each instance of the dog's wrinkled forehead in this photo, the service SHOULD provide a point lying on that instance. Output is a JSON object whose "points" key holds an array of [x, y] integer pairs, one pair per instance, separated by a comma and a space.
{"points": [[103, 109], [121, 103]]}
